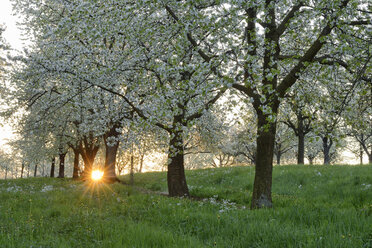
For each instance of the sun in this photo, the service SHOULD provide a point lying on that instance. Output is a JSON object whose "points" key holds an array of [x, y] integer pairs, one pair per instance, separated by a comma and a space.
{"points": [[97, 175]]}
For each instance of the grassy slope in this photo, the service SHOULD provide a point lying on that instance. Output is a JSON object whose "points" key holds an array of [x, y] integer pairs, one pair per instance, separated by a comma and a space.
{"points": [[315, 206]]}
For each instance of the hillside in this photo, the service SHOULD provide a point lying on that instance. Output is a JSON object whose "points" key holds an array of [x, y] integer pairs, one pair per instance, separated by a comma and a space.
{"points": [[314, 206]]}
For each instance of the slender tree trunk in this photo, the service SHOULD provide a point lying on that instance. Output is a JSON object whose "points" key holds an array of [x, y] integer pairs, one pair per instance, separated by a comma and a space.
{"points": [[6, 172], [22, 169], [370, 158], [141, 163], [35, 171], [75, 172], [53, 166], [61, 172], [264, 162], [301, 139], [361, 154], [28, 170], [131, 169], [177, 185]]}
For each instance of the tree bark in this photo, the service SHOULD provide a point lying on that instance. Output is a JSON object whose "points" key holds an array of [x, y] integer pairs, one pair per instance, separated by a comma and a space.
{"points": [[326, 148], [88, 153], [109, 175], [35, 171], [61, 172], [264, 162], [141, 163], [301, 146], [361, 154], [131, 169], [22, 169], [177, 185], [53, 166], [278, 156], [75, 172]]}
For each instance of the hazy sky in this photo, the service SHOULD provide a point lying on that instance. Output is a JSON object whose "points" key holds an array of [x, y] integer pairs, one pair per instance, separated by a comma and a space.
{"points": [[13, 36]]}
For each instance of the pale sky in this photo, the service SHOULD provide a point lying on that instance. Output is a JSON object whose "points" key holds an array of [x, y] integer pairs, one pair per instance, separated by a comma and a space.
{"points": [[12, 34], [13, 37]]}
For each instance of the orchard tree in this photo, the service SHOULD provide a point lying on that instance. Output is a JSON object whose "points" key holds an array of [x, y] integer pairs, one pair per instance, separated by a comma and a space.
{"points": [[300, 103], [358, 121], [258, 47], [284, 142]]}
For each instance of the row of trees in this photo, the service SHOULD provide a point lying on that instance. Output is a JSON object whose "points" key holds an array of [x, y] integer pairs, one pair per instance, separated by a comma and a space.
{"points": [[101, 72]]}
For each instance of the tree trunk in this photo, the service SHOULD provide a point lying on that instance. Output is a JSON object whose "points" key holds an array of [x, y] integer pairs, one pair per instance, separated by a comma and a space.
{"points": [[75, 172], [131, 169], [361, 154], [301, 139], [52, 168], [301, 147], [112, 146], [278, 156], [6, 172], [61, 172], [88, 153], [141, 163], [264, 162], [28, 170], [35, 171], [22, 169], [370, 158], [177, 185], [326, 148], [311, 161]]}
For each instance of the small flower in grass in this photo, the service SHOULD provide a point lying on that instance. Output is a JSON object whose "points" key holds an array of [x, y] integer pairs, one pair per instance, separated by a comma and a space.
{"points": [[47, 188]]}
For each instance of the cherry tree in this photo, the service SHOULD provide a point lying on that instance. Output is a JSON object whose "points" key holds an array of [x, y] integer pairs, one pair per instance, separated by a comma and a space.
{"points": [[182, 55]]}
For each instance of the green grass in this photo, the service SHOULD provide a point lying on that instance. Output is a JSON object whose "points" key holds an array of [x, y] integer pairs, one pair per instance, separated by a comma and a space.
{"points": [[314, 206]]}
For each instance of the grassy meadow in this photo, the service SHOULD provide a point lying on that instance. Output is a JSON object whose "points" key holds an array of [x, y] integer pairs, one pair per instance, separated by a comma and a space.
{"points": [[314, 206]]}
